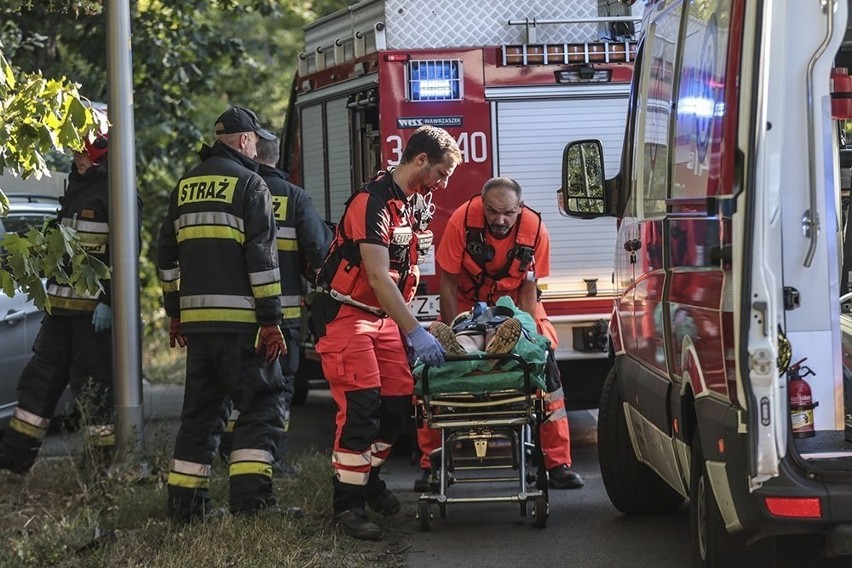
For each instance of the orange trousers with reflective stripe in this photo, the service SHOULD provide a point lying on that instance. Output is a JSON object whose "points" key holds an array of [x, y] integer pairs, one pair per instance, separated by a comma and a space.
{"points": [[366, 365]]}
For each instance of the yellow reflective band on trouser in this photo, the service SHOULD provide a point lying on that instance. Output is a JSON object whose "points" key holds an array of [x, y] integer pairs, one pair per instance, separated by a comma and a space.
{"points": [[188, 481], [229, 427], [250, 468], [101, 435], [210, 232], [266, 290], [217, 314], [250, 461], [287, 244], [188, 474], [27, 429]]}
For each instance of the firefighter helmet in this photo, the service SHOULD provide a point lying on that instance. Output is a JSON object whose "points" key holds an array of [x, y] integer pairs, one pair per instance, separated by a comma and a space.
{"points": [[97, 149]]}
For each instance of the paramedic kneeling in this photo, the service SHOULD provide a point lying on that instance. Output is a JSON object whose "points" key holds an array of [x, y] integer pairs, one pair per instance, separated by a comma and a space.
{"points": [[503, 248], [369, 276]]}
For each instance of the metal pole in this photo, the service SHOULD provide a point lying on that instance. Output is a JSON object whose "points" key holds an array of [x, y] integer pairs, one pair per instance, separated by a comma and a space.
{"points": [[124, 237]]}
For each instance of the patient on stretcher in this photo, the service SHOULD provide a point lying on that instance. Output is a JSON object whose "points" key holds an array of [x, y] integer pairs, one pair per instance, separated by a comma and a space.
{"points": [[494, 331]]}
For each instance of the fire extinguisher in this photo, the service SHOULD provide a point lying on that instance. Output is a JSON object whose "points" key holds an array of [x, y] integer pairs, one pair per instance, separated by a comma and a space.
{"points": [[801, 401]]}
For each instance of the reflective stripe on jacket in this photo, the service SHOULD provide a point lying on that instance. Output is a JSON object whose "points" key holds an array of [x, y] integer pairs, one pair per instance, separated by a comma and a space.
{"points": [[217, 262]]}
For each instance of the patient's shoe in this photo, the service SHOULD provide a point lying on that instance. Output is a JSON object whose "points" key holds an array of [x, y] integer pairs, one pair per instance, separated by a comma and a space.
{"points": [[447, 338], [505, 338]]}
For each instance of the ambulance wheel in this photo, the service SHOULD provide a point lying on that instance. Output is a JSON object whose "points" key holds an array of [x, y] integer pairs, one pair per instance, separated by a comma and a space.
{"points": [[424, 515], [541, 510], [712, 546], [632, 487]]}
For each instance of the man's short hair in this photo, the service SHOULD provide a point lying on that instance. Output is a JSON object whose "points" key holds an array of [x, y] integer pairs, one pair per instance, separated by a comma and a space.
{"points": [[435, 142], [268, 152], [506, 182]]}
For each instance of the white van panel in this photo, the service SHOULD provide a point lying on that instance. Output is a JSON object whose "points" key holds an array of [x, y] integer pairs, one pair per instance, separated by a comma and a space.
{"points": [[531, 136]]}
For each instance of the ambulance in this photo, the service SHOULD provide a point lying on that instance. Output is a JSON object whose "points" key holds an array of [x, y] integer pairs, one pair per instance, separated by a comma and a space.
{"points": [[727, 330]]}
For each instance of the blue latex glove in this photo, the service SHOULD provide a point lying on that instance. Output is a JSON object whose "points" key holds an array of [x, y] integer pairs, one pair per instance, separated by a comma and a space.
{"points": [[426, 347], [102, 318]]}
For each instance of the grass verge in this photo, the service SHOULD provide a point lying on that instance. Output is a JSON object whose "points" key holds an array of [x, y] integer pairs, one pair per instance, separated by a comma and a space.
{"points": [[55, 516]]}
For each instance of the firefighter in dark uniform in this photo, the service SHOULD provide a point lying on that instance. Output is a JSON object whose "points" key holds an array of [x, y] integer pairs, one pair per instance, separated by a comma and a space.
{"points": [[74, 345], [369, 276], [303, 239], [221, 286]]}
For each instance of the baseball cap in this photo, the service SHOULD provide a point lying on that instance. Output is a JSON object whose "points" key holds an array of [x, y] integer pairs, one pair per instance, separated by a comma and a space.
{"points": [[239, 119]]}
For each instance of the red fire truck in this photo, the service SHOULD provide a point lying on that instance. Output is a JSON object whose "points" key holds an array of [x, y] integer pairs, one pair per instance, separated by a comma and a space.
{"points": [[512, 82], [728, 382]]}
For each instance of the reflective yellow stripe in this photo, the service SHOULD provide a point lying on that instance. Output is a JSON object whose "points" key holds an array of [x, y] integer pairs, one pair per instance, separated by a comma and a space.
{"points": [[73, 304], [266, 290], [101, 441], [27, 429], [172, 286], [291, 312], [188, 481], [210, 232], [287, 244], [218, 314], [230, 426], [250, 468]]}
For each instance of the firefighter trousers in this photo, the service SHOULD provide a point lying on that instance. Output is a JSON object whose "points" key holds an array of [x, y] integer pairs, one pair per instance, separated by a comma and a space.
{"points": [[222, 366], [366, 365], [555, 433], [67, 351], [289, 367]]}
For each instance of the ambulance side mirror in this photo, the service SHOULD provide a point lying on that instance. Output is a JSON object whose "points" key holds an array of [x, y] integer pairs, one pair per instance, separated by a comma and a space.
{"points": [[583, 187]]}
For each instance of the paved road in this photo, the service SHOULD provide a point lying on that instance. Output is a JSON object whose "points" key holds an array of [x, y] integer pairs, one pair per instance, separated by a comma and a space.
{"points": [[584, 530]]}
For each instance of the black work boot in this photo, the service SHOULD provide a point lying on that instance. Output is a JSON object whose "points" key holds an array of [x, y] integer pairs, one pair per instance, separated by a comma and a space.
{"points": [[563, 477], [379, 497], [354, 522], [422, 483]]}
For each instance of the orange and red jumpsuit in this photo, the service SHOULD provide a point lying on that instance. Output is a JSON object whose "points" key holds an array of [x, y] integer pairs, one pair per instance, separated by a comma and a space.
{"points": [[362, 351]]}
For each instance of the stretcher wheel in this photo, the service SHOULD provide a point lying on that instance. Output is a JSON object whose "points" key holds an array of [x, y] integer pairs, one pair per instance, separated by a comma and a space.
{"points": [[523, 505], [442, 510], [424, 515], [541, 511]]}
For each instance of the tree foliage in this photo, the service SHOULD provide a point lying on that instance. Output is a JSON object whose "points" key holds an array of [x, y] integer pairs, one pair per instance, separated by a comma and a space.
{"points": [[39, 115], [191, 60]]}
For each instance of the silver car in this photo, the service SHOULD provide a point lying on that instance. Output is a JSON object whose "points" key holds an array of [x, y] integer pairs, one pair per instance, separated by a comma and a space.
{"points": [[20, 320]]}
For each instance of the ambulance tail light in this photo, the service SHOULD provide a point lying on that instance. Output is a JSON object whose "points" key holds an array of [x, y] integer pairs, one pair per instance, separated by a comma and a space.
{"points": [[584, 74], [794, 507], [397, 57]]}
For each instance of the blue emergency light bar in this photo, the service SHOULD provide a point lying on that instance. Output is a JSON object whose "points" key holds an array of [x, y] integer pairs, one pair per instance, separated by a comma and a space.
{"points": [[434, 80]]}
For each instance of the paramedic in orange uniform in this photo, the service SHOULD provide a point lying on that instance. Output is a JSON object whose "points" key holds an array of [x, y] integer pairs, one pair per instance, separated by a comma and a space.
{"points": [[502, 248], [367, 332]]}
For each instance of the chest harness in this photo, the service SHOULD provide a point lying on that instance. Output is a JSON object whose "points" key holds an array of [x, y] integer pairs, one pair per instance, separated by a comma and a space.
{"points": [[478, 253], [341, 272]]}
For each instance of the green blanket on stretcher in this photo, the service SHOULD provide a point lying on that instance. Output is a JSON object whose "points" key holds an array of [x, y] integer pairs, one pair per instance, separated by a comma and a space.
{"points": [[481, 375]]}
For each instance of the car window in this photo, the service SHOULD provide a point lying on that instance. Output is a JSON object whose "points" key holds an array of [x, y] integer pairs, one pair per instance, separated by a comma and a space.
{"points": [[16, 223]]}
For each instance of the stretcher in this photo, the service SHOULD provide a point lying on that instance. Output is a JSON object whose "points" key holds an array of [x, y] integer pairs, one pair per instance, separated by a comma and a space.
{"points": [[489, 417]]}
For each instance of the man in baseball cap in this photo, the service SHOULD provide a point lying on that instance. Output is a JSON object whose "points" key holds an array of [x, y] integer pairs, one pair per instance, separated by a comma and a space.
{"points": [[237, 120]]}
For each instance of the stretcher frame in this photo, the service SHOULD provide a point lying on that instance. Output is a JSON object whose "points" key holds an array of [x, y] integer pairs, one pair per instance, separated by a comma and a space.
{"points": [[516, 413]]}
